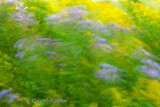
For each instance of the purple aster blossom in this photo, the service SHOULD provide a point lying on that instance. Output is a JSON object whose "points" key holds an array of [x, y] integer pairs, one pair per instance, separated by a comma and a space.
{"points": [[157, 66], [26, 18], [85, 23], [133, 27], [11, 2], [107, 72], [118, 27], [94, 34], [4, 93], [101, 28], [153, 73], [144, 52], [100, 40], [49, 40], [151, 63], [115, 25], [20, 54], [74, 9], [61, 65], [67, 15], [52, 19], [12, 97], [105, 47], [148, 61], [104, 65], [101, 75], [50, 53], [66, 20], [78, 14], [144, 68], [19, 44]]}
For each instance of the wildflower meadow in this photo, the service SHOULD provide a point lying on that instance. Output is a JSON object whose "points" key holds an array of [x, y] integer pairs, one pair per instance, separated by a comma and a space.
{"points": [[79, 53]]}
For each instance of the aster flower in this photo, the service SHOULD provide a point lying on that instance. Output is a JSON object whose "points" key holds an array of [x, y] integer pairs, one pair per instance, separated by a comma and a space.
{"points": [[12, 97], [102, 75], [105, 47], [144, 68], [104, 65], [107, 72], [151, 63], [79, 14], [47, 40], [19, 44], [66, 20], [133, 27], [151, 68], [11, 2], [101, 28], [76, 10], [50, 54], [94, 34], [67, 15], [20, 54], [24, 18], [115, 25], [100, 40], [85, 23], [4, 93], [54, 17], [153, 73]]}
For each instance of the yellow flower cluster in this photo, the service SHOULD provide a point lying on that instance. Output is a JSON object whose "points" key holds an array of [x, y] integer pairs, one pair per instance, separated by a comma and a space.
{"points": [[5, 65], [127, 45], [104, 12], [117, 96], [142, 11], [66, 3], [147, 89], [107, 12]]}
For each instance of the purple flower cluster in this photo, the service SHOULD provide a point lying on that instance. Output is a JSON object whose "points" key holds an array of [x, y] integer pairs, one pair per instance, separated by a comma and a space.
{"points": [[10, 97], [151, 68], [102, 28], [27, 45], [77, 12], [24, 18], [68, 15], [116, 27], [21, 15], [152, 63], [13, 2], [108, 72], [76, 15], [4, 93]]}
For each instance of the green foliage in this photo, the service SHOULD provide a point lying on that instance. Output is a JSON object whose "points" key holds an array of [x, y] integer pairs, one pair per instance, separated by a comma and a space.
{"points": [[61, 60]]}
